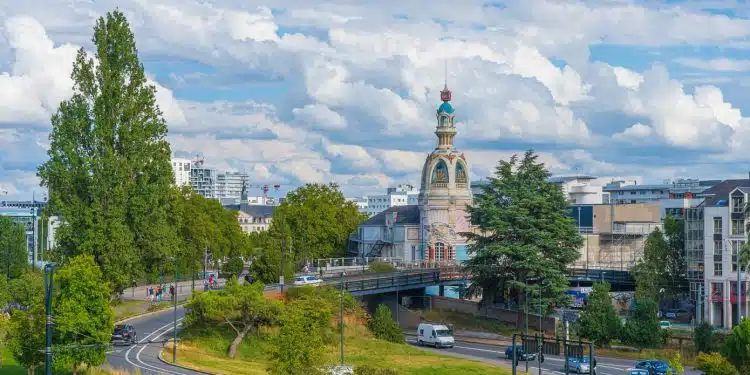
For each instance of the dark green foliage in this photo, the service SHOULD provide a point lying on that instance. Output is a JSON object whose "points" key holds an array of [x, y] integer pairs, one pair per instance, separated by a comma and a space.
{"points": [[13, 251], [27, 322], [109, 171], [673, 273], [642, 329], [714, 364], [703, 337], [383, 326], [599, 321], [367, 370], [524, 232], [379, 266], [304, 331], [662, 268], [82, 314], [330, 295], [266, 246], [736, 347]]}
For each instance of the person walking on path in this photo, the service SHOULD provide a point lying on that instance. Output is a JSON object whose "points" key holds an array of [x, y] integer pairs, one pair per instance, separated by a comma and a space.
{"points": [[151, 294], [171, 293]]}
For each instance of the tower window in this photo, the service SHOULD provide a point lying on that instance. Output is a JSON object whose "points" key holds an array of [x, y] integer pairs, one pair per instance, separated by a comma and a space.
{"points": [[440, 173], [460, 173], [439, 250]]}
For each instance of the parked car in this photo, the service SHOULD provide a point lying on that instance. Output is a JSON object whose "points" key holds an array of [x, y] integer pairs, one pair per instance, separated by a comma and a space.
{"points": [[654, 367], [307, 280], [578, 365], [636, 371], [437, 335], [665, 324], [521, 354], [124, 334]]}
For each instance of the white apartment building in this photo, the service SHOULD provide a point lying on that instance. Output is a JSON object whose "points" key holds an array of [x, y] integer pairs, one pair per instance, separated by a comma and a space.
{"points": [[181, 171], [580, 189], [402, 195], [724, 226], [231, 184]]}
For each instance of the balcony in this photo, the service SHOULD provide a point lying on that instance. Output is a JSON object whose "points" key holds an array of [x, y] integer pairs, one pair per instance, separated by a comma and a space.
{"points": [[635, 228], [439, 185], [462, 185]]}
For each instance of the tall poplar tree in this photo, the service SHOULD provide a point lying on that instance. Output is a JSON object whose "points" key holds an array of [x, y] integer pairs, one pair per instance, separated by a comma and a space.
{"points": [[524, 234], [108, 171]]}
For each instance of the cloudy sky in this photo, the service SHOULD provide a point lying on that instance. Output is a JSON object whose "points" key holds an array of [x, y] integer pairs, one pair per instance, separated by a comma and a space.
{"points": [[310, 91]]}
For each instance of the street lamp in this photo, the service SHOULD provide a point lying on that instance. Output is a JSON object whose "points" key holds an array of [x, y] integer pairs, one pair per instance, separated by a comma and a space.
{"points": [[49, 270]]}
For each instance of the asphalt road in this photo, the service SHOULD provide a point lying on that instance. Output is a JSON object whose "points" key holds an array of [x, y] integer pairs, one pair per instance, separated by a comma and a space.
{"points": [[153, 331], [553, 365]]}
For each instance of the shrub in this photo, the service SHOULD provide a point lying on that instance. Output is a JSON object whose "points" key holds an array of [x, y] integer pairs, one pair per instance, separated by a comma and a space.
{"points": [[714, 364], [379, 266], [383, 326], [737, 347], [327, 293], [703, 336]]}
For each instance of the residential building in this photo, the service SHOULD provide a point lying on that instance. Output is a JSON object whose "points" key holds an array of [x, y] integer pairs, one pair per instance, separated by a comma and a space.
{"points": [[628, 192], [724, 223], [30, 221], [253, 218], [231, 184], [577, 189], [181, 171], [395, 196], [428, 230], [204, 180]]}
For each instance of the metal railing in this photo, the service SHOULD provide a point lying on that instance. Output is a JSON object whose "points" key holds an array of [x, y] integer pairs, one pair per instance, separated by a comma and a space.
{"points": [[353, 261], [397, 279]]}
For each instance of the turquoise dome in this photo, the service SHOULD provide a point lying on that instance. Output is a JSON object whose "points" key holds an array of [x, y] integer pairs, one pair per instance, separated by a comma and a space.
{"points": [[446, 107]]}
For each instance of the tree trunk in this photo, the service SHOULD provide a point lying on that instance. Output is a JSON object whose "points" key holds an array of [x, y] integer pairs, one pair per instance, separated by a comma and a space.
{"points": [[237, 340]]}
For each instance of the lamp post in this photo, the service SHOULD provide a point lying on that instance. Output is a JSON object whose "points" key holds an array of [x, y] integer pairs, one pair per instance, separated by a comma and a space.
{"points": [[49, 270]]}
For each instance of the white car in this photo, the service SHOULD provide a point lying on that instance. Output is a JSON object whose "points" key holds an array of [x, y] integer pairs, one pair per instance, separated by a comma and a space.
{"points": [[307, 280], [436, 335]]}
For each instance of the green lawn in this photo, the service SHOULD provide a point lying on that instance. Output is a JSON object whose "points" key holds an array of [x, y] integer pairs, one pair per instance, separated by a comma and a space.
{"points": [[10, 366], [206, 349]]}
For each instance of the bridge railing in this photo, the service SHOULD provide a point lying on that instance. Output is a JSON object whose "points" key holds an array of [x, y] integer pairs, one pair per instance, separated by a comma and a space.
{"points": [[394, 280]]}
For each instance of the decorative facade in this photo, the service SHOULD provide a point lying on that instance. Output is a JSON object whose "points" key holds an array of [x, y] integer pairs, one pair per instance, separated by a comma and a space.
{"points": [[431, 229]]}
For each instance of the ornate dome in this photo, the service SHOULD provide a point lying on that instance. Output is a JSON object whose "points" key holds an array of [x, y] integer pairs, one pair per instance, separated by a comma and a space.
{"points": [[446, 107]]}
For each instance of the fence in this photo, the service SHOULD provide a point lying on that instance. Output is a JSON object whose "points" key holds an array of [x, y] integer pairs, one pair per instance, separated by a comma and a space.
{"points": [[490, 312]]}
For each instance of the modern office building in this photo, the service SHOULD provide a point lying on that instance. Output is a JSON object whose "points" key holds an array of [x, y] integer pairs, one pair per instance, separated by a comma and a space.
{"points": [[628, 192], [181, 171], [28, 217], [209, 182], [401, 195]]}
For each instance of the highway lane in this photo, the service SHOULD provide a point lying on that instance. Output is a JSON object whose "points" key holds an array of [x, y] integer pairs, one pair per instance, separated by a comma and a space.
{"points": [[553, 365], [152, 330]]}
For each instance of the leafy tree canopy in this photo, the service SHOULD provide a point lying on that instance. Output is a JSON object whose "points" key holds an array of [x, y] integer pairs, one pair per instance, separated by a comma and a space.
{"points": [[82, 314], [109, 171], [383, 326], [642, 329], [13, 251], [27, 320], [599, 321], [714, 364], [737, 347], [525, 233]]}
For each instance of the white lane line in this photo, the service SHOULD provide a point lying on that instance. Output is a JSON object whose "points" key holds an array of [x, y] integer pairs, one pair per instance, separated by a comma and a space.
{"points": [[138, 355], [145, 366]]}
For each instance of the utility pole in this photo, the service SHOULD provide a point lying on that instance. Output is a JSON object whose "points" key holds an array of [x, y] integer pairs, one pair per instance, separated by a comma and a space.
{"points": [[205, 271], [48, 273], [304, 249], [283, 249], [341, 308], [526, 310], [174, 315], [739, 287]]}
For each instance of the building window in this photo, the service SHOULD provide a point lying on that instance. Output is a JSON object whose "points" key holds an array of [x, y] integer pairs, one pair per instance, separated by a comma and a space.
{"points": [[738, 204], [413, 252], [738, 227], [451, 253], [718, 248], [717, 225], [632, 193], [439, 249], [717, 269], [643, 193]]}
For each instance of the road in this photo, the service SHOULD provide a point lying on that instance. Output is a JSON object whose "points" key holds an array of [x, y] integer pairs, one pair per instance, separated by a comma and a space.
{"points": [[553, 365], [152, 331]]}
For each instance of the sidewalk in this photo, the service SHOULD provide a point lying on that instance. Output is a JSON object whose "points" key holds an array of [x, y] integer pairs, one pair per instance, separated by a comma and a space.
{"points": [[184, 288]]}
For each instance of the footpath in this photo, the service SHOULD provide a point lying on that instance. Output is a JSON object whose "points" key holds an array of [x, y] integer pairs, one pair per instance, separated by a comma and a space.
{"points": [[184, 289]]}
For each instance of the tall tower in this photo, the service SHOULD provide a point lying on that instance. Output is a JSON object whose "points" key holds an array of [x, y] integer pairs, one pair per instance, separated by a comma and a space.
{"points": [[445, 192]]}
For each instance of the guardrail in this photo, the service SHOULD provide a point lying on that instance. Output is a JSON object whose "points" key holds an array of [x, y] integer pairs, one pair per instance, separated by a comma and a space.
{"points": [[395, 279]]}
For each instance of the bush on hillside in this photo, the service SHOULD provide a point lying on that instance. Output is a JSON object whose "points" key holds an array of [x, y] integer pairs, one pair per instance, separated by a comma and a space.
{"points": [[703, 336], [327, 293], [383, 326], [714, 364]]}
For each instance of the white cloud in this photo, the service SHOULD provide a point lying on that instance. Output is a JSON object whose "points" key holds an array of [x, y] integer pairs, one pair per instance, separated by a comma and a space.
{"points": [[319, 116], [636, 133], [718, 65]]}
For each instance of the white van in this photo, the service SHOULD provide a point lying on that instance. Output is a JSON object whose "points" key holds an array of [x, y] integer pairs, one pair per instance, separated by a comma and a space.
{"points": [[436, 335]]}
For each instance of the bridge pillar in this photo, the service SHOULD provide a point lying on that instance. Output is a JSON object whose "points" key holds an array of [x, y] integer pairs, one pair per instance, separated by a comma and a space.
{"points": [[441, 290]]}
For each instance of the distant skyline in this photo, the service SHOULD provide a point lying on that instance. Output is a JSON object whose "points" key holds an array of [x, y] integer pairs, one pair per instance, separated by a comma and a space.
{"points": [[294, 92]]}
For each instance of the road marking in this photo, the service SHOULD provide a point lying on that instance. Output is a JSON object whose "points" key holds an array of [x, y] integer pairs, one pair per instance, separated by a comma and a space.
{"points": [[146, 366]]}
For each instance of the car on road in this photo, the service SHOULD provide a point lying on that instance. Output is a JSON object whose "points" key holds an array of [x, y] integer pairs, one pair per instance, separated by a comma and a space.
{"points": [[636, 371], [307, 280], [437, 335], [578, 365], [654, 367], [664, 324], [124, 334], [521, 354]]}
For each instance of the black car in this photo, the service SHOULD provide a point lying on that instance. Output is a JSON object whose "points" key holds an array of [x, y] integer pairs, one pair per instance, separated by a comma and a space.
{"points": [[521, 354], [654, 367], [124, 335]]}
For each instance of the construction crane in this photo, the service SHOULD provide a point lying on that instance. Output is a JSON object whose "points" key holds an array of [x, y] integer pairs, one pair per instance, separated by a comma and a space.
{"points": [[265, 189]]}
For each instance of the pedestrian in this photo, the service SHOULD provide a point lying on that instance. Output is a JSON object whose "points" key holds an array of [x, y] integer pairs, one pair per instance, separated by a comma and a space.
{"points": [[171, 292], [151, 294]]}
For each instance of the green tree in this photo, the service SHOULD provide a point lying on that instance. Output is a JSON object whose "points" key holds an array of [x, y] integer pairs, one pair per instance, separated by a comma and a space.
{"points": [[4, 321], [642, 329], [109, 171], [598, 321], [27, 320], [714, 364], [673, 272], [300, 345], [82, 314], [737, 347], [648, 271], [383, 326], [318, 219], [267, 246], [13, 251], [524, 232], [242, 307], [703, 337]]}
